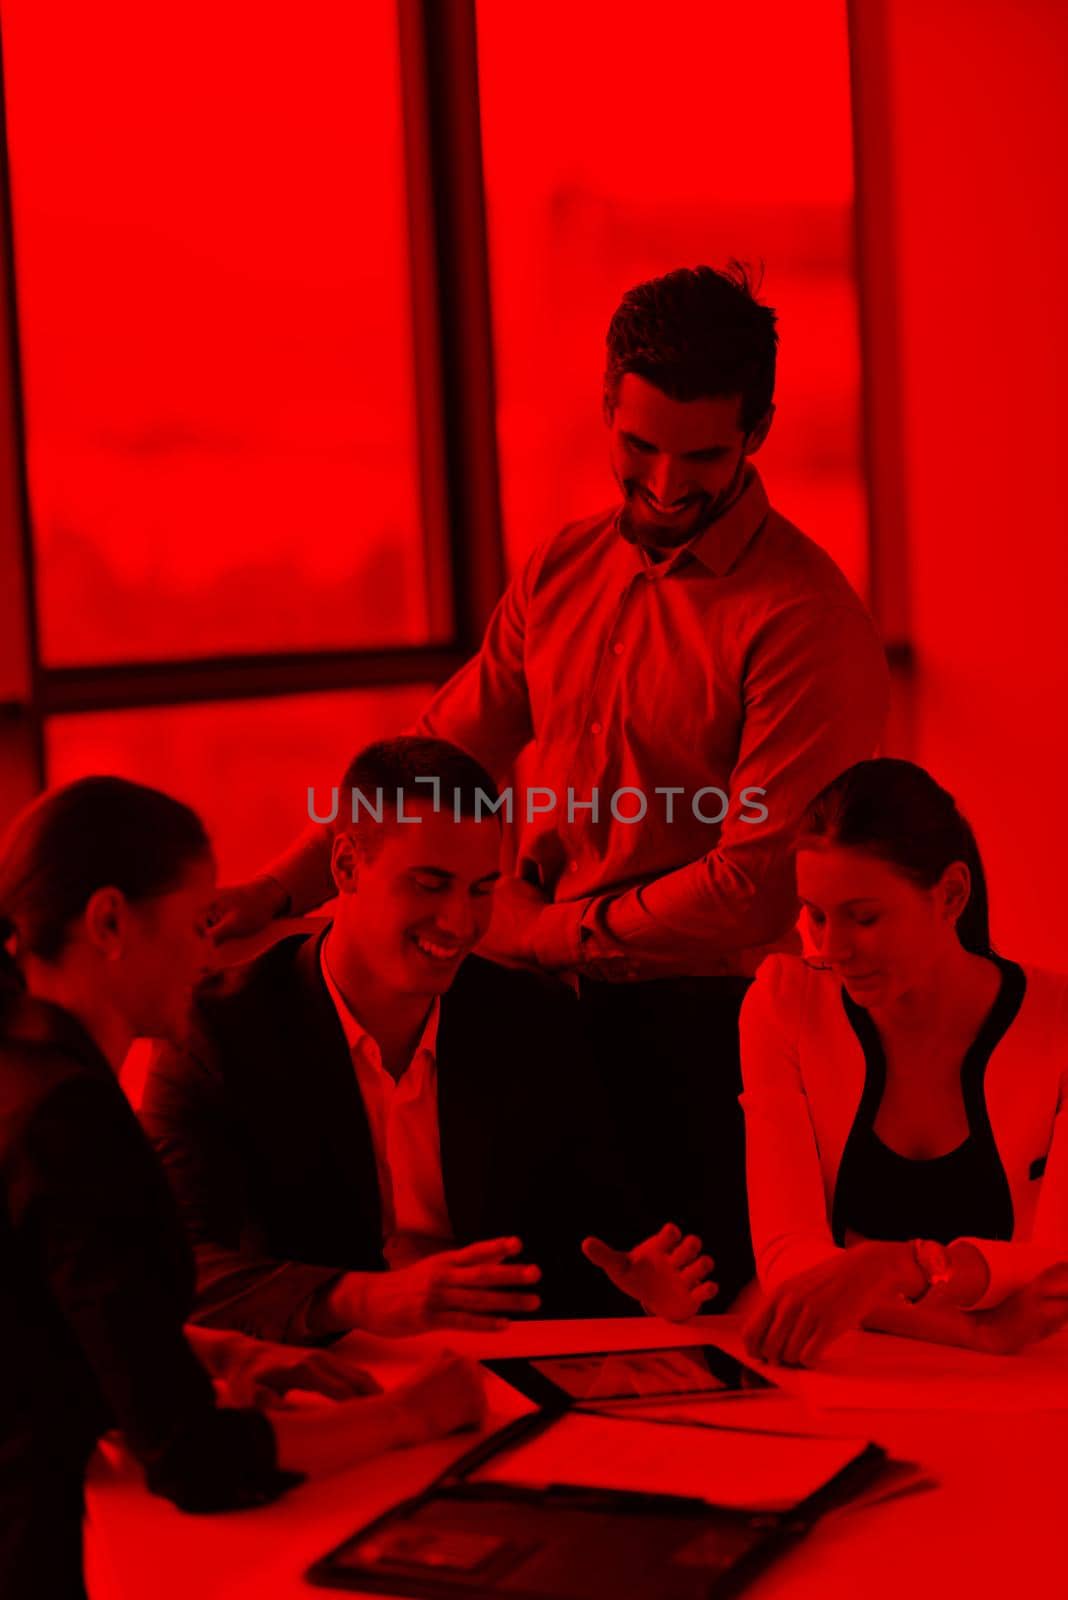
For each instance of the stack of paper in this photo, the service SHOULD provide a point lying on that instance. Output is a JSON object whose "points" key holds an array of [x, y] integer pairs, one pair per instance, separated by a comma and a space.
{"points": [[730, 1467]]}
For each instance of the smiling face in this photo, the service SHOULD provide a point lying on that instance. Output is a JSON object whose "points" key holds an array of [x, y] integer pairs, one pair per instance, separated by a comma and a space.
{"points": [[419, 900], [879, 932], [678, 462]]}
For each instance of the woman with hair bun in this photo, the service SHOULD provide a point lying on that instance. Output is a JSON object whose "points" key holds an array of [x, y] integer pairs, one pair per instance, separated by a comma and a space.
{"points": [[103, 889], [906, 1092]]}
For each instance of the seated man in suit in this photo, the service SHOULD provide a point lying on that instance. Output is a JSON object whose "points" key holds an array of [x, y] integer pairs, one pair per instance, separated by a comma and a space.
{"points": [[377, 1097]]}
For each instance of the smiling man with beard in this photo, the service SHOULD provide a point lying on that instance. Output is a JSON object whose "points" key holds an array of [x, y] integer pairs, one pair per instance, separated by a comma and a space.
{"points": [[376, 1096], [688, 639]]}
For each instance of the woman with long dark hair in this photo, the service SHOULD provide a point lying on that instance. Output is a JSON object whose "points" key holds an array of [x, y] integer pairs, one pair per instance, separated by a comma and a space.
{"points": [[103, 889], [903, 1091]]}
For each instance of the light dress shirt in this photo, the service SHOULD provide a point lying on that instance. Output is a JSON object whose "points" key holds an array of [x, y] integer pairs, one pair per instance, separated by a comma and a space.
{"points": [[403, 1118], [743, 661]]}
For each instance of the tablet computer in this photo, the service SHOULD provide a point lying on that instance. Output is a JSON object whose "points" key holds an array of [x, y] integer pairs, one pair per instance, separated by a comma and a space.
{"points": [[588, 1377]]}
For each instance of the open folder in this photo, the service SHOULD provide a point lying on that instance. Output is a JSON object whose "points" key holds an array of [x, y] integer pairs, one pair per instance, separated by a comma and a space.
{"points": [[578, 1505], [732, 1467]]}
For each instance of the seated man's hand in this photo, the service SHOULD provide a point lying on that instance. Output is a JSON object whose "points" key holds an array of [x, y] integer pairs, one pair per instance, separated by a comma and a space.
{"points": [[1032, 1313], [477, 1289], [666, 1274], [244, 908]]}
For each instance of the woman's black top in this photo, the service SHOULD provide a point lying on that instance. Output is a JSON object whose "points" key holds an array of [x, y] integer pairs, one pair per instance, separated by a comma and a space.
{"points": [[96, 1280], [963, 1194]]}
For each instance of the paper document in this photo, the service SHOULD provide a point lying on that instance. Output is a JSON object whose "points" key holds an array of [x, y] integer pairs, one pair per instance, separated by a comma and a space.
{"points": [[725, 1467]]}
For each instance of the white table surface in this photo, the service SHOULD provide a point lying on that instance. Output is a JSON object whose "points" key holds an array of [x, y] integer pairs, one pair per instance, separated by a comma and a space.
{"points": [[992, 1431]]}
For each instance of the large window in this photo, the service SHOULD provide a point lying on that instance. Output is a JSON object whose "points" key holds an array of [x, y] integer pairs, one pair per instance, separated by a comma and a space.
{"points": [[245, 766], [261, 290], [663, 135], [215, 320]]}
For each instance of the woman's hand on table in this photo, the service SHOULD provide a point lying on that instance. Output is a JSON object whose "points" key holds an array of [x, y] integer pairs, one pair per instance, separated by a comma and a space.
{"points": [[443, 1398], [1034, 1312], [270, 1381], [801, 1317], [446, 1396], [255, 1372], [667, 1273]]}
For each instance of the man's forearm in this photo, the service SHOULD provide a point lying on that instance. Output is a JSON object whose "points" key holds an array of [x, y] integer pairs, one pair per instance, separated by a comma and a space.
{"points": [[303, 871], [256, 1295], [621, 937], [337, 1307]]}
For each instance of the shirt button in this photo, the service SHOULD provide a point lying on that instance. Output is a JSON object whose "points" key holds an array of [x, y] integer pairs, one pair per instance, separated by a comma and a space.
{"points": [[595, 727], [617, 649], [572, 866]]}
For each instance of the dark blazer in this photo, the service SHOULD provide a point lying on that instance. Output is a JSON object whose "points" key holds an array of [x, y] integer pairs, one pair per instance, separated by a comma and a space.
{"points": [[95, 1282], [262, 1129]]}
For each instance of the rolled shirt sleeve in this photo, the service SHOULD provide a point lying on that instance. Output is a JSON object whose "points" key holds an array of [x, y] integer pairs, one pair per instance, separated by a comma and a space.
{"points": [[744, 667], [815, 700]]}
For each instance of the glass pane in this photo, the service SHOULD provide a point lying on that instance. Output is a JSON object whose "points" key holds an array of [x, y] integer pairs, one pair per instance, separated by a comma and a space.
{"points": [[680, 133], [245, 765], [210, 234]]}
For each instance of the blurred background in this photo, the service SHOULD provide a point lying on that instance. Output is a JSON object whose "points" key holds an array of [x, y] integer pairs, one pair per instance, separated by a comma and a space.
{"points": [[302, 343]]}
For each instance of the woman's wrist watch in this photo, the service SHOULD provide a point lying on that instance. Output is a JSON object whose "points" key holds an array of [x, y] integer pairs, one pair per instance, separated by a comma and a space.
{"points": [[932, 1261]]}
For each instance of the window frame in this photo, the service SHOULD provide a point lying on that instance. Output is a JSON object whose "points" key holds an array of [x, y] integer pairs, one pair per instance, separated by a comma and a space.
{"points": [[455, 426], [456, 423]]}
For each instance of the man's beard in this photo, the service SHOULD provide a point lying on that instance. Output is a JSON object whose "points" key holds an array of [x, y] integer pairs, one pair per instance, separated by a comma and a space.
{"points": [[662, 535]]}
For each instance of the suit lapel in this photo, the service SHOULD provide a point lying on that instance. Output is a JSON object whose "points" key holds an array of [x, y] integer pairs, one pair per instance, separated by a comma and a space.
{"points": [[460, 1115], [335, 1097]]}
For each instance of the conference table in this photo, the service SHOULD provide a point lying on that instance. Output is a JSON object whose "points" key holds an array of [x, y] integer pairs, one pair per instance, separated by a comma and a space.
{"points": [[986, 1519]]}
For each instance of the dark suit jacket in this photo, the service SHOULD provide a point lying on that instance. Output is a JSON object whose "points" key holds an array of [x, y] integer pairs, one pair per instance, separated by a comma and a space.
{"points": [[95, 1282], [262, 1129]]}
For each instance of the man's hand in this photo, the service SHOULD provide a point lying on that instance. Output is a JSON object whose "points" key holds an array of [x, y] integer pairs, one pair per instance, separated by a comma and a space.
{"points": [[244, 908], [800, 1318], [517, 905], [666, 1274], [477, 1289]]}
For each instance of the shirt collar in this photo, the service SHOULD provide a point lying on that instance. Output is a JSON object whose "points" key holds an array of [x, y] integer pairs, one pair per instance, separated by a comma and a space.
{"points": [[354, 1030], [724, 541]]}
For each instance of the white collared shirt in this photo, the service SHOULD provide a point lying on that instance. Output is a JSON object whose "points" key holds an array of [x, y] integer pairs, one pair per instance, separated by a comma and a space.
{"points": [[403, 1118]]}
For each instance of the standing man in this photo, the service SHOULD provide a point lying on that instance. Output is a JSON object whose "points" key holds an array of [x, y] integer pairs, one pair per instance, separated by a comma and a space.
{"points": [[691, 670]]}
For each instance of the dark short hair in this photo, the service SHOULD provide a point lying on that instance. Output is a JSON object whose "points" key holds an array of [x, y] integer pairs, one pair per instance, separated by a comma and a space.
{"points": [[896, 811], [391, 767], [96, 833], [697, 334]]}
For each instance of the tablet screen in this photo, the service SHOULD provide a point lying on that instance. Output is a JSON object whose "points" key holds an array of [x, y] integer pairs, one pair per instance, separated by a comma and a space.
{"points": [[628, 1375]]}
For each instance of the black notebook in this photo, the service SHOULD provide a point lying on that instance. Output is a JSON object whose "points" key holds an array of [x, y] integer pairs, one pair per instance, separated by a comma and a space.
{"points": [[547, 1509]]}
